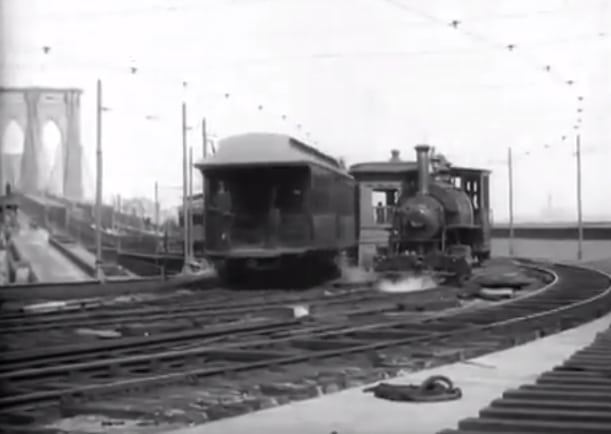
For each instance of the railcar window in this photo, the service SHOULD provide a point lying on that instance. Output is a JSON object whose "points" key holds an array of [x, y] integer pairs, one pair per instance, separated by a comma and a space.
{"points": [[290, 196], [343, 199], [485, 192], [321, 192]]}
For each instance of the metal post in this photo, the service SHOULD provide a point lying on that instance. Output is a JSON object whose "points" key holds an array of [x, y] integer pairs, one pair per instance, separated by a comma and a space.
{"points": [[156, 207], [190, 208], [4, 184], [204, 138], [579, 209], [510, 170], [184, 188], [204, 153], [98, 190]]}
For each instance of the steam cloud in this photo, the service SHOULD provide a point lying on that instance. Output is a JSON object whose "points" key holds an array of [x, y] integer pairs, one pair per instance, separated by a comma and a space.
{"points": [[408, 284]]}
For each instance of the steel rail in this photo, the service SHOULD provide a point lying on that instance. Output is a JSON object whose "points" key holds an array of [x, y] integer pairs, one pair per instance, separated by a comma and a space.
{"points": [[592, 299], [437, 295], [201, 310], [40, 357], [573, 397], [234, 333]]}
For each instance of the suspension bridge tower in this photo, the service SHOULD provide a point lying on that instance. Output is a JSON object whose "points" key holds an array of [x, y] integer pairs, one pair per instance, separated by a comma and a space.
{"points": [[31, 108]]}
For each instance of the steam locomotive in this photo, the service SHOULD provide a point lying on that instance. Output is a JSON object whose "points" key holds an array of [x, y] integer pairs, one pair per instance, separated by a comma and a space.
{"points": [[272, 203], [441, 221]]}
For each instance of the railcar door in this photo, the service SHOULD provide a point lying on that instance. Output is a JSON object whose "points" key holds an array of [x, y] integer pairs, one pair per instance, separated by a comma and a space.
{"points": [[217, 213], [291, 203], [324, 217]]}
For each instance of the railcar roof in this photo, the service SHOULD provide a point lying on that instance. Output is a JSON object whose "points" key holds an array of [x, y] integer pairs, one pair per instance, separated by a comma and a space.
{"points": [[397, 167], [384, 167], [267, 148], [469, 170]]}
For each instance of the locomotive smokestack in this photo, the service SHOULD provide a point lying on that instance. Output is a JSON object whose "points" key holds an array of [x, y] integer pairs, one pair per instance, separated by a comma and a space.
{"points": [[422, 157]]}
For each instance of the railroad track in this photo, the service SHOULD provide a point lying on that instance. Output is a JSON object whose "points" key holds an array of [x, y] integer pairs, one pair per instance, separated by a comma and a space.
{"points": [[76, 314], [46, 330], [251, 328], [574, 397], [191, 310], [202, 308], [577, 295]]}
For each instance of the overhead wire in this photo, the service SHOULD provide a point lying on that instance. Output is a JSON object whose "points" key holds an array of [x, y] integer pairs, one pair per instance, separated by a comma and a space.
{"points": [[456, 24], [430, 17], [164, 7], [460, 27], [177, 82]]}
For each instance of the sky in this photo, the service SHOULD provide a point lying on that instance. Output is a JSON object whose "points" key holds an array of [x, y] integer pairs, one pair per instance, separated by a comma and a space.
{"points": [[355, 78]]}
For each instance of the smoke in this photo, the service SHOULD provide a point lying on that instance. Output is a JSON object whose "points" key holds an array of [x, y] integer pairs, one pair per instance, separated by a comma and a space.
{"points": [[408, 284], [356, 275], [351, 273]]}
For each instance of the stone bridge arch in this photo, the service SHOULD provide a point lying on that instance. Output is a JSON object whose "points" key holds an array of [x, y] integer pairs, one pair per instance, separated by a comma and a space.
{"points": [[31, 108]]}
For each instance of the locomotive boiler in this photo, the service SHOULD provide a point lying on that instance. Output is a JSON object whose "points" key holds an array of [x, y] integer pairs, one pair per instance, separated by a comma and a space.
{"points": [[440, 222]]}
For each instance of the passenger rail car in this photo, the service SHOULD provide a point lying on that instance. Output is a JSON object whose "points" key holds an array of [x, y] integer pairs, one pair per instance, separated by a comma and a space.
{"points": [[274, 203]]}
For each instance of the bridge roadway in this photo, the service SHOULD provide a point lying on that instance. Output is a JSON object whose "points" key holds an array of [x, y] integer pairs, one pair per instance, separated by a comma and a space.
{"points": [[47, 262]]}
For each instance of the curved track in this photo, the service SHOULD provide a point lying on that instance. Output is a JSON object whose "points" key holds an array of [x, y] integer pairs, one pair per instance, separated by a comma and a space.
{"points": [[576, 296], [573, 397]]}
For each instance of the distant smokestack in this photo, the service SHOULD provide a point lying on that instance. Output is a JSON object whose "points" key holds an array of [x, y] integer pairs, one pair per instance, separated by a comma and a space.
{"points": [[422, 157], [394, 156]]}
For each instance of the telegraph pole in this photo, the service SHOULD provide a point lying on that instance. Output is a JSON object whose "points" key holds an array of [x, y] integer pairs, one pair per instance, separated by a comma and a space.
{"points": [[510, 172], [156, 207], [191, 202], [184, 188], [98, 190], [579, 209], [113, 215], [204, 152], [204, 138]]}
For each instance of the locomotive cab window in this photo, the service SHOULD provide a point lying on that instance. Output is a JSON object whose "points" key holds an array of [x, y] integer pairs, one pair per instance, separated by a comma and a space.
{"points": [[384, 202]]}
